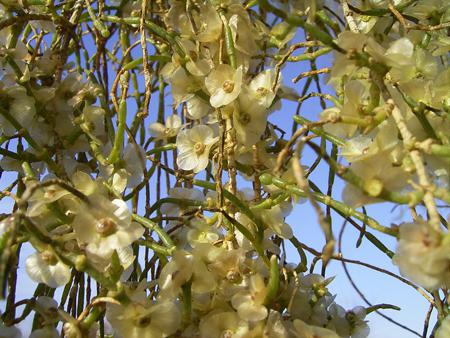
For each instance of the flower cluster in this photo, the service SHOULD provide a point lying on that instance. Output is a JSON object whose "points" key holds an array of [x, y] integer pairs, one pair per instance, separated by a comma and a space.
{"points": [[181, 218]]}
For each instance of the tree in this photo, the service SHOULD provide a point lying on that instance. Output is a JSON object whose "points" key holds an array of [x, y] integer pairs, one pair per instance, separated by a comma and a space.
{"points": [[147, 173]]}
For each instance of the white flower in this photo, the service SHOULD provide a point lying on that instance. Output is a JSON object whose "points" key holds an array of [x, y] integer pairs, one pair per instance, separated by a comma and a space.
{"points": [[48, 309], [224, 85], [249, 303], [303, 330], [223, 324], [45, 268], [260, 91], [19, 105], [145, 319], [249, 120], [184, 86], [93, 123], [193, 148], [423, 255], [274, 218], [170, 129], [134, 164], [349, 323], [105, 226], [197, 108], [189, 266]]}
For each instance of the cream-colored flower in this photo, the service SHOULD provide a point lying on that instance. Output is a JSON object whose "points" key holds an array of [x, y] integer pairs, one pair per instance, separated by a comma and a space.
{"points": [[145, 319], [274, 218], [193, 147], [44, 267], [250, 118], [169, 129], [423, 255], [184, 86], [105, 226], [224, 84], [223, 324], [188, 266], [20, 106], [134, 164], [303, 330], [197, 108], [249, 303], [260, 91]]}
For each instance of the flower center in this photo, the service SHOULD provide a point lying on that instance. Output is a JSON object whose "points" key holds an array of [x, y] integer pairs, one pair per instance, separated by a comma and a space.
{"points": [[261, 91], [106, 226], [49, 193], [233, 276], [227, 334], [228, 86], [193, 55], [245, 118], [170, 132], [199, 148], [143, 321], [49, 258]]}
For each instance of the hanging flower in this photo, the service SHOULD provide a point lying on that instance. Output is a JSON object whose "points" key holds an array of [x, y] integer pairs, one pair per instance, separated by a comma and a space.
{"points": [[145, 319], [169, 129], [224, 85], [44, 267], [106, 226], [249, 303], [423, 254], [193, 148]]}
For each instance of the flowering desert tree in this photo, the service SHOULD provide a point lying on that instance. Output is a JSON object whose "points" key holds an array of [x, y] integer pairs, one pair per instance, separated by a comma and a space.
{"points": [[153, 186]]}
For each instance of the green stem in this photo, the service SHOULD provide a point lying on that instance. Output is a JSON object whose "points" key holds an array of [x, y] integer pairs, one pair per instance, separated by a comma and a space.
{"points": [[165, 238], [157, 150], [319, 131], [237, 203], [274, 281], [114, 156], [229, 42], [157, 248], [327, 200]]}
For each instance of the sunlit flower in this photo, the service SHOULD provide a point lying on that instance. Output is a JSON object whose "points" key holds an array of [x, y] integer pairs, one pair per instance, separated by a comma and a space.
{"points": [[249, 302], [197, 108], [106, 227], [193, 148], [144, 319], [223, 324], [224, 85]]}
